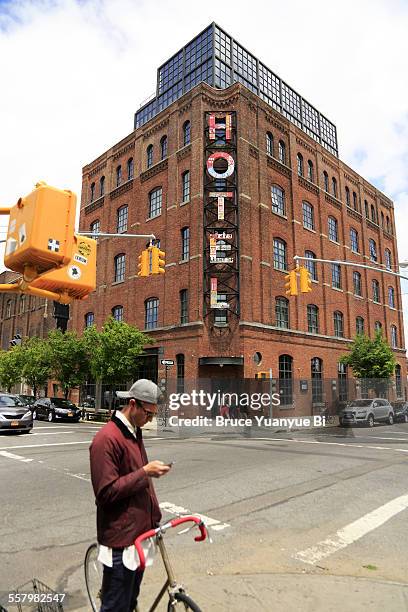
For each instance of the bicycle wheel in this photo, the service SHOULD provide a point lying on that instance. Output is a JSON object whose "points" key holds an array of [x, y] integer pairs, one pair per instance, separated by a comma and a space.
{"points": [[183, 602], [93, 576]]}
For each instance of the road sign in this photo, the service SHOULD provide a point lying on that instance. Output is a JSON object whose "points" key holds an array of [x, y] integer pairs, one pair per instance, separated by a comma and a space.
{"points": [[167, 362]]}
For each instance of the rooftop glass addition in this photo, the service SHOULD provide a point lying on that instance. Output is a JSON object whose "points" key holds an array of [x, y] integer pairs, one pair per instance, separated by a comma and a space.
{"points": [[216, 58]]}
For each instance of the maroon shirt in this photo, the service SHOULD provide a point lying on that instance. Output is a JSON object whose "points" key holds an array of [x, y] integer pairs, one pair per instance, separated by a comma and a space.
{"points": [[126, 503]]}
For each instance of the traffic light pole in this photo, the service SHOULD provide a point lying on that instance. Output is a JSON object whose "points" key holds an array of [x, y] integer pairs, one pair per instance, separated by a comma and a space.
{"points": [[296, 258]]}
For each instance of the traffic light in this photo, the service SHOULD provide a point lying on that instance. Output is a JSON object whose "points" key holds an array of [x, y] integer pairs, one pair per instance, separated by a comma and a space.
{"points": [[291, 283], [305, 280], [158, 261], [262, 375], [143, 264]]}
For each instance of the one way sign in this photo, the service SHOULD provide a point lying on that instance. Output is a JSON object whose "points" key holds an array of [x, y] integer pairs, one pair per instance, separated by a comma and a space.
{"points": [[167, 362]]}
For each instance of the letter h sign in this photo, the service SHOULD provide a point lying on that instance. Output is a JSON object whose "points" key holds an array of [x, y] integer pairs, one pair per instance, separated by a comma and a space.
{"points": [[214, 124]]}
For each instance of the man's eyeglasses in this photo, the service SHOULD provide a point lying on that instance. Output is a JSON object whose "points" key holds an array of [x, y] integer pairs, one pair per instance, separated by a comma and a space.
{"points": [[148, 413]]}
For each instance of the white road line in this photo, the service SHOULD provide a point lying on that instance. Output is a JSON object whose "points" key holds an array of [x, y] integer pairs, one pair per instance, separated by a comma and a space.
{"points": [[51, 433], [399, 450], [12, 456], [353, 532], [43, 445], [210, 522]]}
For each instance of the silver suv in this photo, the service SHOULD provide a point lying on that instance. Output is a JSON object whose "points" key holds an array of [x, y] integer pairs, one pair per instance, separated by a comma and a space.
{"points": [[366, 411]]}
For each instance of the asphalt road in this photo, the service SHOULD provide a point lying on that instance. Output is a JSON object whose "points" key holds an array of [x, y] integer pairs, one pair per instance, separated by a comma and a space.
{"points": [[307, 520]]}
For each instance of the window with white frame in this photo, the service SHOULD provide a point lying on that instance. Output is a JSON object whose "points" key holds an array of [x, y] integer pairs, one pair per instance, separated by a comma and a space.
{"points": [[278, 200]]}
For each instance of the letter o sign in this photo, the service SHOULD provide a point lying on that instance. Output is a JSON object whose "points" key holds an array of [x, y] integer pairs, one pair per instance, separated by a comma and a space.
{"points": [[220, 155]]}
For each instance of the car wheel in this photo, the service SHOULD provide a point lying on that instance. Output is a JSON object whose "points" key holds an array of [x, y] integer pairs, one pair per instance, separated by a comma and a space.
{"points": [[370, 421], [50, 416], [390, 419]]}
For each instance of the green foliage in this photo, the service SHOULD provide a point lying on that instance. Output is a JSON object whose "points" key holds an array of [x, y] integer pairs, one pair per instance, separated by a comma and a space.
{"points": [[370, 358], [68, 359], [10, 368], [35, 363]]}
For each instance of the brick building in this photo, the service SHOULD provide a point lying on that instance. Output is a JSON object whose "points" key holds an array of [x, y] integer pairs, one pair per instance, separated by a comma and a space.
{"points": [[235, 173]]}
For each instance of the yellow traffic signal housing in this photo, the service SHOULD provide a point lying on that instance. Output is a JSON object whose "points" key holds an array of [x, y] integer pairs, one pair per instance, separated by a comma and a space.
{"points": [[41, 230], [305, 280], [158, 261], [262, 375], [143, 264], [291, 283]]}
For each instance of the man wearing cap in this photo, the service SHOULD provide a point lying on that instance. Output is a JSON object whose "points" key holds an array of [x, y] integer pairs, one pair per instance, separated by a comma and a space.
{"points": [[125, 499]]}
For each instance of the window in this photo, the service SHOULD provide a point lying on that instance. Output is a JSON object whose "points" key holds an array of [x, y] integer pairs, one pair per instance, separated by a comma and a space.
{"points": [[388, 260], [394, 336], [117, 313], [278, 200], [348, 202], [180, 362], [333, 229], [155, 202], [279, 254], [357, 283], [269, 144], [120, 268], [282, 152], [122, 219], [311, 265], [151, 313], [312, 319], [310, 171], [382, 219], [286, 379], [378, 326], [22, 305], [391, 297], [376, 291], [95, 226], [373, 215], [8, 309], [186, 133], [282, 312], [92, 196], [308, 216], [118, 175], [326, 181], [387, 224], [367, 214], [373, 249], [185, 243], [334, 187], [130, 168], [355, 201], [336, 276], [184, 306], [354, 240], [398, 380], [102, 186], [338, 324], [342, 380], [316, 369], [300, 164], [359, 325], [185, 181], [163, 147], [221, 316], [89, 319], [149, 156]]}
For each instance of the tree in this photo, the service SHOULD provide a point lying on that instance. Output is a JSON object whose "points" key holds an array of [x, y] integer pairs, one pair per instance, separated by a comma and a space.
{"points": [[370, 359], [35, 363], [10, 367], [68, 359]]}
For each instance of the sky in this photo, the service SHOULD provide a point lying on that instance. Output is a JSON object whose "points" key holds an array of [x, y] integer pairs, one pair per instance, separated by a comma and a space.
{"points": [[73, 72]]}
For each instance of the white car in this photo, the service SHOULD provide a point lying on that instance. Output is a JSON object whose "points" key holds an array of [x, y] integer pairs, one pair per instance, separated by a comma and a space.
{"points": [[367, 411]]}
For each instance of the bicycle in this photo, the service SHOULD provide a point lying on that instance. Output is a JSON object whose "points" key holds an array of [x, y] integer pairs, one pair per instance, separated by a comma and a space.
{"points": [[176, 592]]}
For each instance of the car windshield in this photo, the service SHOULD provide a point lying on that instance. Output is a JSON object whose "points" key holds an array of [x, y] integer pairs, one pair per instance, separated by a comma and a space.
{"points": [[8, 400], [62, 403], [27, 399], [359, 403]]}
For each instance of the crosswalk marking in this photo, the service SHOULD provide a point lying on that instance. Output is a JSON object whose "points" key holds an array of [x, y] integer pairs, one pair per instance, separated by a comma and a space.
{"points": [[13, 456], [210, 522]]}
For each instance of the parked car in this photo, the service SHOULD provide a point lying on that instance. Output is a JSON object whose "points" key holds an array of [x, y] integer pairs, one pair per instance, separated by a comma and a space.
{"points": [[366, 412], [400, 408], [55, 408], [14, 414], [28, 400]]}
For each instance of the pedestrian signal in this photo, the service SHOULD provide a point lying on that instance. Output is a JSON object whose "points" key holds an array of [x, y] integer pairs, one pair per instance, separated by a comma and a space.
{"points": [[143, 264], [305, 280], [158, 261], [291, 283]]}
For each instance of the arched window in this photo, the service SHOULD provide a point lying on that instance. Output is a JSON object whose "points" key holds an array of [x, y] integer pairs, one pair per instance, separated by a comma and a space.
{"points": [[300, 164], [354, 240], [355, 201], [163, 147], [22, 305], [373, 215], [269, 144], [149, 156], [310, 171], [180, 363], [122, 219], [359, 325], [336, 276], [89, 319], [342, 381], [382, 219], [120, 268], [130, 168], [185, 185], [8, 309], [338, 324], [279, 254], [373, 249], [357, 283], [151, 312], [310, 264], [185, 243], [376, 291], [312, 319], [334, 186], [186, 133], [367, 213], [285, 380], [348, 201], [316, 370], [183, 306], [333, 229], [278, 200], [387, 224], [398, 380], [282, 312], [388, 260], [394, 336], [117, 313], [282, 152], [308, 215], [92, 194], [155, 202], [118, 175], [378, 326], [326, 181], [391, 297], [102, 186]]}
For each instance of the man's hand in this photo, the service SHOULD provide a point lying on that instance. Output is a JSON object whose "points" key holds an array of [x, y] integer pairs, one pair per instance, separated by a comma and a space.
{"points": [[155, 469]]}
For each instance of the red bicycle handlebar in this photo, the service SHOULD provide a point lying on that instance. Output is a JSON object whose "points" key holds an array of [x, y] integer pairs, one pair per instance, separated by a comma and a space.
{"points": [[173, 523]]}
